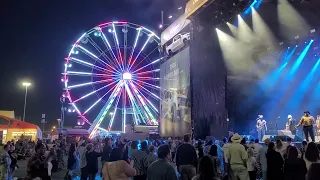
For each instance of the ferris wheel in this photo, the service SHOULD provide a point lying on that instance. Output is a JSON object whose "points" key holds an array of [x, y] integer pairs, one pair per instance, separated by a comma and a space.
{"points": [[111, 76]]}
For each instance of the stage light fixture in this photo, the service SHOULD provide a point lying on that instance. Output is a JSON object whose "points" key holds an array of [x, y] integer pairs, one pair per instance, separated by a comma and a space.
{"points": [[297, 37], [281, 43], [312, 31]]}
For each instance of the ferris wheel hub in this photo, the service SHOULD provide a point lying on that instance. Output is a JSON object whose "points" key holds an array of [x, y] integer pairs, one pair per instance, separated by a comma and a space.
{"points": [[126, 76]]}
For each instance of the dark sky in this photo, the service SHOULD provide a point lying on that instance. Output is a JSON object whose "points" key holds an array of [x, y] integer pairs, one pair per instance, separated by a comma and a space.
{"points": [[36, 36]]}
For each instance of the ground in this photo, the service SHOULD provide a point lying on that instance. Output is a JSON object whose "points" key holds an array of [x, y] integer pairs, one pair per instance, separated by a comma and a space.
{"points": [[21, 172]]}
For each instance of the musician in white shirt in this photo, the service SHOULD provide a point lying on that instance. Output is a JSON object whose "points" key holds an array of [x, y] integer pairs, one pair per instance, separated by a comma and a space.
{"points": [[261, 127]]}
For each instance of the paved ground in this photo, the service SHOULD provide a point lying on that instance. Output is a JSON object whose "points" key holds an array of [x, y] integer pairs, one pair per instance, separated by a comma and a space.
{"points": [[21, 172]]}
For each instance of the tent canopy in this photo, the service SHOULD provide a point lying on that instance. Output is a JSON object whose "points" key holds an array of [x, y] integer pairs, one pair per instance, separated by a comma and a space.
{"points": [[6, 122]]}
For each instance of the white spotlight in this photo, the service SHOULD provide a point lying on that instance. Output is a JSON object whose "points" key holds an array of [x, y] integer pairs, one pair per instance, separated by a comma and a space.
{"points": [[170, 17], [160, 26], [179, 8], [313, 31], [126, 76], [281, 43]]}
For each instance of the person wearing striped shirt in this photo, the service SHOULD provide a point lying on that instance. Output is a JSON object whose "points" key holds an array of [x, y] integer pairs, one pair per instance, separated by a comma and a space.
{"points": [[307, 122]]}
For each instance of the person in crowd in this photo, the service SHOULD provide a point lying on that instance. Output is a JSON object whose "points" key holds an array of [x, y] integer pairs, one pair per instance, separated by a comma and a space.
{"points": [[151, 157], [262, 160], [207, 147], [173, 148], [303, 148], [117, 168], [294, 167], [225, 151], [244, 143], [274, 163], [144, 147], [82, 156], [38, 163], [5, 162], [311, 155], [14, 162], [251, 165], [256, 147], [213, 154], [51, 156], [139, 158], [92, 154], [237, 158], [314, 172], [73, 161], [161, 169], [279, 147], [106, 150], [199, 148], [186, 159], [205, 170]]}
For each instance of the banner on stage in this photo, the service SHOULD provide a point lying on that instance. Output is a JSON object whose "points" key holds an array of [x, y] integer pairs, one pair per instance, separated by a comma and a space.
{"points": [[175, 107]]}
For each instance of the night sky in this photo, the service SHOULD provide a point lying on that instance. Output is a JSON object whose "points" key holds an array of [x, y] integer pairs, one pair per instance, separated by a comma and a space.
{"points": [[36, 37]]}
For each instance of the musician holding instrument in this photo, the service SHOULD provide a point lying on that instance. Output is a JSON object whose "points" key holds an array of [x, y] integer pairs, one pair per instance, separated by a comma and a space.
{"points": [[307, 121], [318, 125], [261, 127]]}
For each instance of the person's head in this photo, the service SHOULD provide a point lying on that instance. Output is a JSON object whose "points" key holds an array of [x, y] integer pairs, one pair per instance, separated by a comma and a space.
{"points": [[213, 150], [51, 155], [12, 148], [271, 146], [318, 116], [307, 113], [292, 153], [186, 138], [205, 168], [6, 147], [224, 140], [289, 140], [260, 116], [209, 143], [199, 143], [230, 139], [289, 116], [144, 146], [40, 149], [256, 141], [251, 141], [314, 171], [169, 140], [243, 141], [134, 144], [107, 141], [312, 152], [164, 152], [89, 147], [152, 149], [304, 143], [236, 138], [250, 152], [279, 143], [116, 155]]}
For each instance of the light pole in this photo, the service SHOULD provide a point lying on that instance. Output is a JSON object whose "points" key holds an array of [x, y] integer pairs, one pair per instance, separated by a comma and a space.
{"points": [[26, 84]]}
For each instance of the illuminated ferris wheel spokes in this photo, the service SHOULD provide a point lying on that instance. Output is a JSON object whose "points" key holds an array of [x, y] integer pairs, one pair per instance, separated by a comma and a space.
{"points": [[121, 72]]}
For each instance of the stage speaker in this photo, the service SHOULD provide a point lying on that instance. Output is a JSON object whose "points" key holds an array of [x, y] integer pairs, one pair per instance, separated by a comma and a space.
{"points": [[296, 138]]}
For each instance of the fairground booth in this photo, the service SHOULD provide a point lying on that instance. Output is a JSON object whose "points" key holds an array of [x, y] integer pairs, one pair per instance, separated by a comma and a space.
{"points": [[15, 129]]}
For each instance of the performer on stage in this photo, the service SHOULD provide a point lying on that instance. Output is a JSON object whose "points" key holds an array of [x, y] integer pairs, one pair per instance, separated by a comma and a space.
{"points": [[261, 127], [307, 122], [291, 124], [318, 125]]}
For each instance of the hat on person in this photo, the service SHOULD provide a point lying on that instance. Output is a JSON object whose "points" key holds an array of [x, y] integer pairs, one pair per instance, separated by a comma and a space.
{"points": [[307, 112], [236, 138], [289, 116]]}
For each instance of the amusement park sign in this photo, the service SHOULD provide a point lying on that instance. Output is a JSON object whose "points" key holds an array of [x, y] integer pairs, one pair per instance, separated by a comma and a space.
{"points": [[193, 5]]}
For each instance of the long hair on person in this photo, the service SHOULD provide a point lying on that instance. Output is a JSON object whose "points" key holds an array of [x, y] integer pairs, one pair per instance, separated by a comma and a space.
{"points": [[116, 155], [271, 147], [213, 150], [206, 169], [312, 152], [314, 172]]}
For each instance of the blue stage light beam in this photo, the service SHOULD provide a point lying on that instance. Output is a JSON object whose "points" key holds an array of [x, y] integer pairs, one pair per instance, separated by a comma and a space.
{"points": [[248, 10], [300, 59], [257, 5], [315, 95]]}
